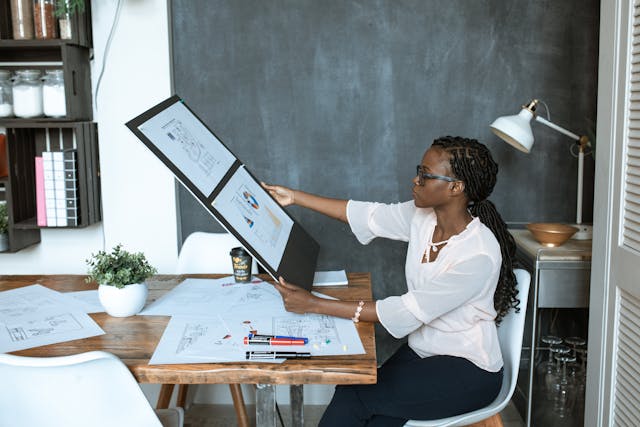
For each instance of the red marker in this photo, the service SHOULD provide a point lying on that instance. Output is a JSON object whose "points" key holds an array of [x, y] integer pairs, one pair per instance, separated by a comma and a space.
{"points": [[273, 341]]}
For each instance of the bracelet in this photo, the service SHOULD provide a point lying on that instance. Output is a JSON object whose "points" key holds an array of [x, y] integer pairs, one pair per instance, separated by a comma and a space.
{"points": [[356, 316]]}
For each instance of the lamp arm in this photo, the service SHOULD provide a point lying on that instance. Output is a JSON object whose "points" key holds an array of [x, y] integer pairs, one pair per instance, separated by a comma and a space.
{"points": [[582, 141], [558, 128]]}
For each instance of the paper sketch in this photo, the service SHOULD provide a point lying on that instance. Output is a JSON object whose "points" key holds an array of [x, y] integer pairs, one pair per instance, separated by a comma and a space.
{"points": [[87, 300], [48, 325], [190, 146], [209, 297], [27, 300], [41, 316], [189, 339], [255, 215]]}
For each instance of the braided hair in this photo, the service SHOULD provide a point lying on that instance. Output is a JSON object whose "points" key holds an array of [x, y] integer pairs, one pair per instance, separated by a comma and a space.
{"points": [[472, 163]]}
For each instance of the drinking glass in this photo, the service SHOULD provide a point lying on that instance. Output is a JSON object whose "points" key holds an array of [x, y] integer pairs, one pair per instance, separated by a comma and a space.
{"points": [[554, 371], [562, 388], [544, 366]]}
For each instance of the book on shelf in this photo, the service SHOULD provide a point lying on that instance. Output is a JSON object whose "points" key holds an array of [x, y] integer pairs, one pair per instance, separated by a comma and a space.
{"points": [[61, 188], [41, 209]]}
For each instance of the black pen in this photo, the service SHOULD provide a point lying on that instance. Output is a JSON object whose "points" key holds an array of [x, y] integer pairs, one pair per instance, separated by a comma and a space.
{"points": [[256, 355]]}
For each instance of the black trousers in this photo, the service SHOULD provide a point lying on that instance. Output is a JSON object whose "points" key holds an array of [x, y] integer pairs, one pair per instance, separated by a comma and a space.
{"points": [[410, 387]]}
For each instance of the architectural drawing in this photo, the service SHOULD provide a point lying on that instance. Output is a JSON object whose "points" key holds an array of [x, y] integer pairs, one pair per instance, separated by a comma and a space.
{"points": [[39, 327], [190, 146]]}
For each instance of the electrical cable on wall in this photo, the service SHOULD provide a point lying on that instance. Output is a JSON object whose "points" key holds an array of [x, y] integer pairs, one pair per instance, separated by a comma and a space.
{"points": [[114, 24], [106, 50]]}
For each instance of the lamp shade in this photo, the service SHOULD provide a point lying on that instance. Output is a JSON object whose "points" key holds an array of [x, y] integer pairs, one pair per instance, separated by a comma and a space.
{"points": [[516, 130]]}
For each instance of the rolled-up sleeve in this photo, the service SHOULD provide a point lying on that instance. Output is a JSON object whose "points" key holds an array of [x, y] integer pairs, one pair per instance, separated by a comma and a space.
{"points": [[395, 317], [370, 220], [464, 281]]}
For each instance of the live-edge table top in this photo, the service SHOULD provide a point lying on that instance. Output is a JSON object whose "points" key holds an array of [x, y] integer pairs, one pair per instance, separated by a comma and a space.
{"points": [[134, 339]]}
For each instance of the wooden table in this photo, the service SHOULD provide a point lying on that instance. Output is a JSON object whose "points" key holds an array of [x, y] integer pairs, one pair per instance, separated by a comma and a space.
{"points": [[134, 339]]}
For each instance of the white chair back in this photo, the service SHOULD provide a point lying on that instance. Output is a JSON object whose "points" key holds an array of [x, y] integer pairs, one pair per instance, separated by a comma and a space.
{"points": [[88, 389], [209, 253], [510, 333]]}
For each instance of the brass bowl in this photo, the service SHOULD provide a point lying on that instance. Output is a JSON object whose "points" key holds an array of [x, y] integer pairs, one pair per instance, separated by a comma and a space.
{"points": [[551, 233]]}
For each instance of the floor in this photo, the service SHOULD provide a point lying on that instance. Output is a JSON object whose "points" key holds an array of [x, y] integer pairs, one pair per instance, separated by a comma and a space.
{"points": [[224, 416]]}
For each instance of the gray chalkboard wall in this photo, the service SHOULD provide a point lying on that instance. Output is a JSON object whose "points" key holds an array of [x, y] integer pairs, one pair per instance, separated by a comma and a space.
{"points": [[342, 98]]}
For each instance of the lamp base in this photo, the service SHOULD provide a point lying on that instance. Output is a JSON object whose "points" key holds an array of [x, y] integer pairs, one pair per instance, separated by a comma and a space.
{"points": [[585, 232]]}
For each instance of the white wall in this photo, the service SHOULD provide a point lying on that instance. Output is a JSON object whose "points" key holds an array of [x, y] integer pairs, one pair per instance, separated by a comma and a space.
{"points": [[138, 192], [138, 196]]}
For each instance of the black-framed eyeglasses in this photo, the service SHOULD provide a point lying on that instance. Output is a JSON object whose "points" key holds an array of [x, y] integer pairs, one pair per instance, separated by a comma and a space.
{"points": [[422, 175]]}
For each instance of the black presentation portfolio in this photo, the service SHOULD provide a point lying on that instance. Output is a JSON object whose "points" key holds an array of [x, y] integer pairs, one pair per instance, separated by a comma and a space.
{"points": [[228, 190]]}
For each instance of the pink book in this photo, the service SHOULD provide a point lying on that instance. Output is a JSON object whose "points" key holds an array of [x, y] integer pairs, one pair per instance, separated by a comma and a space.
{"points": [[41, 207]]}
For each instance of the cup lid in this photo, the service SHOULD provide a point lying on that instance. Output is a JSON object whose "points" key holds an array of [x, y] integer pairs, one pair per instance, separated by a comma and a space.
{"points": [[239, 251]]}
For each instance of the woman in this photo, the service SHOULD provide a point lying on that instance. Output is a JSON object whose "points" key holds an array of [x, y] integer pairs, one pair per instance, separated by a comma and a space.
{"points": [[460, 284]]}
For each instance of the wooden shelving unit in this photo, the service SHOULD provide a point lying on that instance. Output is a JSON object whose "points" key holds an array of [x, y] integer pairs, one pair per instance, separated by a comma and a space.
{"points": [[28, 138]]}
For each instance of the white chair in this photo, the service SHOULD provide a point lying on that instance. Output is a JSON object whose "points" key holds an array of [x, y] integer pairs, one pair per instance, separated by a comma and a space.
{"points": [[510, 334], [89, 389], [208, 253]]}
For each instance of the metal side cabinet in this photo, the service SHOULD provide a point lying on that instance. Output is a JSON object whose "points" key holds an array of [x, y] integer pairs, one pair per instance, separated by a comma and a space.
{"points": [[558, 305]]}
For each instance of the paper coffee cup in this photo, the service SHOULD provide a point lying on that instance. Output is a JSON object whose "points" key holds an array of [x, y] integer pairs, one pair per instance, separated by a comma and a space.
{"points": [[241, 261]]}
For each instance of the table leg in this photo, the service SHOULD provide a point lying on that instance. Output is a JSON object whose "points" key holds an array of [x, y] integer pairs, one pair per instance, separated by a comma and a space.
{"points": [[165, 396], [296, 393], [266, 405], [238, 405]]}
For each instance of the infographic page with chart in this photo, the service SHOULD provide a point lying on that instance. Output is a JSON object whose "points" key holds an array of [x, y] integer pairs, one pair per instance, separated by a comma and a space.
{"points": [[190, 146], [252, 212], [225, 188]]}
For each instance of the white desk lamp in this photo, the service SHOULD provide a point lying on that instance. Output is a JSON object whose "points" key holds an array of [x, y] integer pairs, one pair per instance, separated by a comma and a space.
{"points": [[516, 130]]}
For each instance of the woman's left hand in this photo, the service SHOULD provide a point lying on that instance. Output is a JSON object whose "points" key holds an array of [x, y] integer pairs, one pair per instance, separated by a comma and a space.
{"points": [[296, 299]]}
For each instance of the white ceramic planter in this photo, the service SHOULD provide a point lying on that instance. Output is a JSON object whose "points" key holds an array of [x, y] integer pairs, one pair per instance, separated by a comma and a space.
{"points": [[123, 302], [4, 242]]}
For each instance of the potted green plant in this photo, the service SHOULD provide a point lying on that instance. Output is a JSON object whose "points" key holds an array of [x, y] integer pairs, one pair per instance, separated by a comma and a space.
{"points": [[4, 227], [121, 279], [65, 9]]}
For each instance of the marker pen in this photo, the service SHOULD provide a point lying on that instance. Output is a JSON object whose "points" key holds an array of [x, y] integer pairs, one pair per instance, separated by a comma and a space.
{"points": [[257, 355], [273, 341], [284, 337]]}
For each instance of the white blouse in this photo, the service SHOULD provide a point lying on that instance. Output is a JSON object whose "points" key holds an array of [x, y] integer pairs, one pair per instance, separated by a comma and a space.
{"points": [[448, 308]]}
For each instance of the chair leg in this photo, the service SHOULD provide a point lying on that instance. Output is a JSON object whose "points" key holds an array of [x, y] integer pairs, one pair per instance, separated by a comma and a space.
{"points": [[165, 396], [238, 404], [182, 396], [493, 421]]}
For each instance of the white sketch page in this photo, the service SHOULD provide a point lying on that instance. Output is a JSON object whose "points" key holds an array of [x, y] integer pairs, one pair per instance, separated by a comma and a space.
{"points": [[41, 316], [255, 215], [20, 302], [190, 339], [192, 148], [328, 335], [87, 300], [209, 297], [193, 339]]}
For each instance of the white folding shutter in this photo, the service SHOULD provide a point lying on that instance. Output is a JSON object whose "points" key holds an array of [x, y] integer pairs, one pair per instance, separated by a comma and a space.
{"points": [[631, 220]]}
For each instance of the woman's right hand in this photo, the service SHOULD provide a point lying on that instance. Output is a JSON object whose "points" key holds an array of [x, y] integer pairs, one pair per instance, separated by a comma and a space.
{"points": [[283, 195]]}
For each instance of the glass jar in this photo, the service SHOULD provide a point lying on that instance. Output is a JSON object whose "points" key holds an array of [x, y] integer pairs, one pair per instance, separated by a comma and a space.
{"points": [[53, 98], [64, 20], [65, 26], [44, 21], [6, 94], [22, 19], [27, 94]]}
